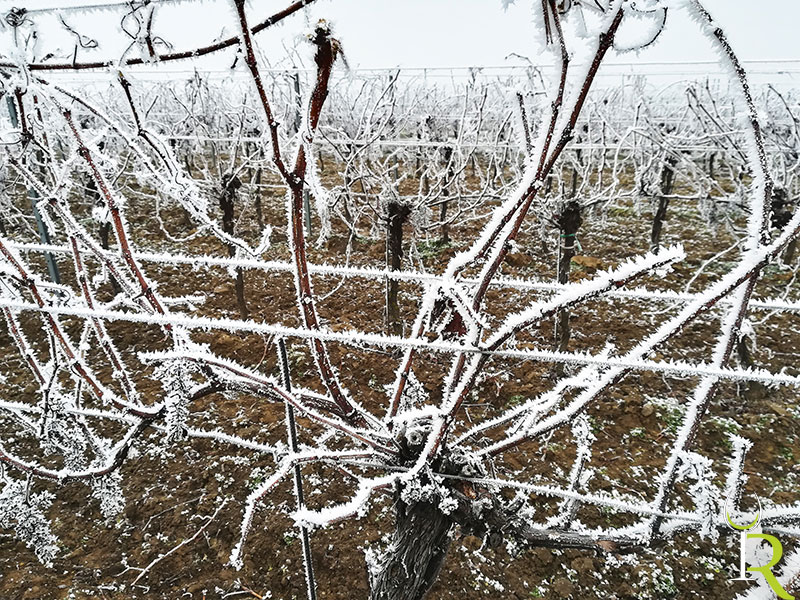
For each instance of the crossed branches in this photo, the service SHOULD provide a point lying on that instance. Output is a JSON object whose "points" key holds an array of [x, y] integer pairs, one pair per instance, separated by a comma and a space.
{"points": [[424, 455]]}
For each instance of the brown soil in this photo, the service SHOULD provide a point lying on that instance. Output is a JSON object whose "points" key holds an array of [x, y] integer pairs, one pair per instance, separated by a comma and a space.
{"points": [[172, 489]]}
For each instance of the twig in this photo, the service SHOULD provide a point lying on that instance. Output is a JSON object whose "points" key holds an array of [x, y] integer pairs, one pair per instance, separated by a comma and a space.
{"points": [[183, 543]]}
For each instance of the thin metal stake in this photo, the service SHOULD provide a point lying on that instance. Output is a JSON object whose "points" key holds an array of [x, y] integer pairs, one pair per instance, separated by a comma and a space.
{"points": [[44, 235], [311, 585]]}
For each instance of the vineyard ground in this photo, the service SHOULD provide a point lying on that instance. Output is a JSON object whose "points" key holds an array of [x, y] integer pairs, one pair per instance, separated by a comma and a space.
{"points": [[177, 484]]}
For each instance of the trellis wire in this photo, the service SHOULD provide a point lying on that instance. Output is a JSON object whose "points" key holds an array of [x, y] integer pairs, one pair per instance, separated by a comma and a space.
{"points": [[678, 368], [771, 304]]}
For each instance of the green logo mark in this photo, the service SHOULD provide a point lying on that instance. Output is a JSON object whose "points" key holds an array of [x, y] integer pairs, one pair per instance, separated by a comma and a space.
{"points": [[765, 570]]}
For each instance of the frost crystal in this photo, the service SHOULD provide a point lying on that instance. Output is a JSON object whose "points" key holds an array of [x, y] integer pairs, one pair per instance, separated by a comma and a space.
{"points": [[108, 491], [26, 517], [173, 375], [704, 493]]}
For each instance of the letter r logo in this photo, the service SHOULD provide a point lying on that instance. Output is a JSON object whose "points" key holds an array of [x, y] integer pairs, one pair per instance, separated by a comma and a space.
{"points": [[766, 570]]}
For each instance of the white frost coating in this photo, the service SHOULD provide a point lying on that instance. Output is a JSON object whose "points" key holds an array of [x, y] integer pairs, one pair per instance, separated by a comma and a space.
{"points": [[414, 395], [719, 289], [284, 469], [641, 27], [704, 494], [326, 516], [108, 491], [736, 477], [420, 434], [174, 375], [583, 290], [532, 408], [175, 184], [754, 144], [322, 198], [27, 519], [197, 261], [754, 246], [251, 504]]}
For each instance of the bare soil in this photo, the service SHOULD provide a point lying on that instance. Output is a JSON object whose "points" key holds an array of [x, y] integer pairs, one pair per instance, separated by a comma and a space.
{"points": [[172, 489]]}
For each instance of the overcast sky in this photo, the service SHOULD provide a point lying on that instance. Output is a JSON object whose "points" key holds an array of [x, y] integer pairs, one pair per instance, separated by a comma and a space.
{"points": [[415, 33], [478, 32]]}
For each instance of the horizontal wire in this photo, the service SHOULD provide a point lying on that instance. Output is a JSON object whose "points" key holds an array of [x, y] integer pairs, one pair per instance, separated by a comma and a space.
{"points": [[412, 143], [105, 5], [773, 304], [354, 338]]}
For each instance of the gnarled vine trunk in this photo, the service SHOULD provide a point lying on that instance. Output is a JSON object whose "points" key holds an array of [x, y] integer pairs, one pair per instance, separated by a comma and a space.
{"points": [[667, 183], [411, 563], [397, 216], [230, 184]]}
